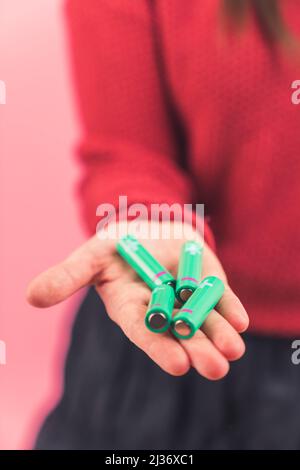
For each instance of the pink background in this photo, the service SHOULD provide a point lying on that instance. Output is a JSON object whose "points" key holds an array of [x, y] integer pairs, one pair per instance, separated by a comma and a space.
{"points": [[39, 222]]}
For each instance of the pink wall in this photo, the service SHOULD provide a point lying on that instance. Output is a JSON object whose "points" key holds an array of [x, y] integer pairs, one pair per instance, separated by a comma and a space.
{"points": [[39, 222]]}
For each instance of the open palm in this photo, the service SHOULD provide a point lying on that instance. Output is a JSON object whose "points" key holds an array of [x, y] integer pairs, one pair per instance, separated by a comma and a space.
{"points": [[126, 298]]}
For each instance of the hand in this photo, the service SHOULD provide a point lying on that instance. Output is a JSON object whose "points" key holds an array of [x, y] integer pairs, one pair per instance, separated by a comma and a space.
{"points": [[126, 298]]}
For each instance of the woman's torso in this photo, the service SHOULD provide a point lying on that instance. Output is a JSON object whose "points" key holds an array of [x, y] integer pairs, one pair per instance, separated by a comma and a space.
{"points": [[243, 131]]}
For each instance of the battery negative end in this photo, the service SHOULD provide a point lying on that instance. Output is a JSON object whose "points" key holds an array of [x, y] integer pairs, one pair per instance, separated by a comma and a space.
{"points": [[182, 329], [185, 294], [157, 321]]}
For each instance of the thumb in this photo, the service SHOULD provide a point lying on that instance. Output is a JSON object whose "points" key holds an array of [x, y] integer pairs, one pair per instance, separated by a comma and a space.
{"points": [[76, 271]]}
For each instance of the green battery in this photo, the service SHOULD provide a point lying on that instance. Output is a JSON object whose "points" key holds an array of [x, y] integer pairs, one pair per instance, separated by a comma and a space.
{"points": [[147, 267], [193, 313], [159, 313], [189, 270]]}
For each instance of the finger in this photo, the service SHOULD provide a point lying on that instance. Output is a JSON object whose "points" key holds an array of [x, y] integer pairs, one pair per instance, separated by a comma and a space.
{"points": [[223, 336], [126, 305], [205, 357], [211, 265], [231, 308], [64, 279]]}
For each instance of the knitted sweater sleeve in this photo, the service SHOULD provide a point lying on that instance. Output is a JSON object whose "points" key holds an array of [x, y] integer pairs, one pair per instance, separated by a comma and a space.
{"points": [[128, 146]]}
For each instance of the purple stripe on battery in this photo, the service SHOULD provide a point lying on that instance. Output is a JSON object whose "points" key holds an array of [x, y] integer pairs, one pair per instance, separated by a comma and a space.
{"points": [[188, 310], [161, 273], [189, 279], [156, 305]]}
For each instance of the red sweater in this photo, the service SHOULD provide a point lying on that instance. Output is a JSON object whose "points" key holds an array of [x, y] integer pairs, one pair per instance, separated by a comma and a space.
{"points": [[149, 78]]}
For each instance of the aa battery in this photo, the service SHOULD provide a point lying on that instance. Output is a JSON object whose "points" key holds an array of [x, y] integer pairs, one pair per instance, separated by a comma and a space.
{"points": [[193, 313], [159, 313], [189, 270], [145, 265]]}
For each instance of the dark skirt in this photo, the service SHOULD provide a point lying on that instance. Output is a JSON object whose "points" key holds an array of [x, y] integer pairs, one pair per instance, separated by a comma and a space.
{"points": [[116, 398]]}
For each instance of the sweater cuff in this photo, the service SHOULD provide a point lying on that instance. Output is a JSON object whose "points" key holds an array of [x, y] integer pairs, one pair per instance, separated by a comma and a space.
{"points": [[208, 234]]}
